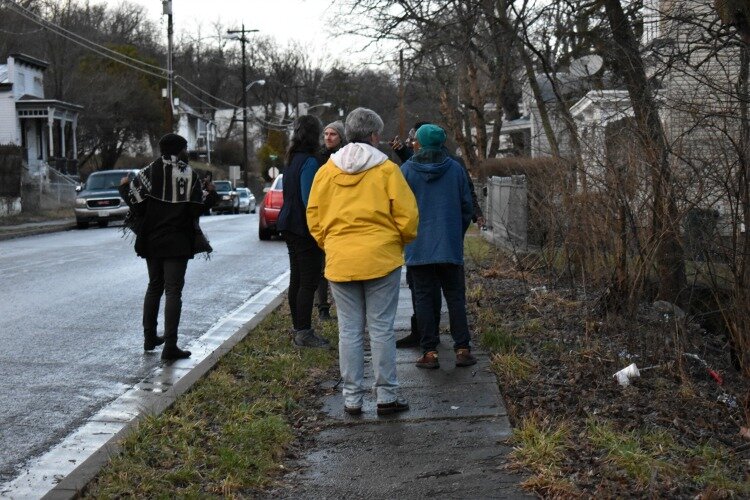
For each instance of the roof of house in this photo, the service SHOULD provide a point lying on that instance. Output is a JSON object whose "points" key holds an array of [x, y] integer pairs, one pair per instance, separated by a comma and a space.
{"points": [[516, 125], [186, 108], [30, 61], [4, 78], [566, 84], [614, 103], [27, 100]]}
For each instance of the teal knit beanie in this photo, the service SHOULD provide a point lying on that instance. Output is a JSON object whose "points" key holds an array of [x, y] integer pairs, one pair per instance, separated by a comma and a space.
{"points": [[431, 136]]}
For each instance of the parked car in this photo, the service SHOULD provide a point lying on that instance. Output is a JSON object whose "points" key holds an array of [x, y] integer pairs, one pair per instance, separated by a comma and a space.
{"points": [[247, 200], [269, 209], [229, 201], [98, 199]]}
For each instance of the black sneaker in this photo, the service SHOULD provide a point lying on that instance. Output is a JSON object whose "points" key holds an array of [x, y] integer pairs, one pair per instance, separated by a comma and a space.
{"points": [[393, 407], [173, 353], [308, 338], [151, 343]]}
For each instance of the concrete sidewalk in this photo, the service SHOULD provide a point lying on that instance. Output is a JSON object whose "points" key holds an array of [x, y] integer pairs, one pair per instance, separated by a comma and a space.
{"points": [[32, 228], [448, 445]]}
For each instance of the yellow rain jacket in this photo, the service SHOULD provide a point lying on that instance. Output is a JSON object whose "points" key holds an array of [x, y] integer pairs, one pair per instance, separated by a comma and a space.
{"points": [[361, 212]]}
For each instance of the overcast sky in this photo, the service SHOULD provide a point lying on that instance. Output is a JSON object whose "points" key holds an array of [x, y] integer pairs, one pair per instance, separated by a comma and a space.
{"points": [[310, 22]]}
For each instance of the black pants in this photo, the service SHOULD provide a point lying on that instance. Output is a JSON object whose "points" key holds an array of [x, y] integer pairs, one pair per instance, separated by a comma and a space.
{"points": [[165, 277], [322, 292], [305, 264], [428, 281]]}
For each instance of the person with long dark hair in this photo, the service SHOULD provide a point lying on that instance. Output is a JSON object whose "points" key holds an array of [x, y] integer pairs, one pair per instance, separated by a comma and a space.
{"points": [[305, 257]]}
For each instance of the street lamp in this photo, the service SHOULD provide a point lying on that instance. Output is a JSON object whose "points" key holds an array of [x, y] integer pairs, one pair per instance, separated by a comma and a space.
{"points": [[259, 82], [321, 105], [244, 119]]}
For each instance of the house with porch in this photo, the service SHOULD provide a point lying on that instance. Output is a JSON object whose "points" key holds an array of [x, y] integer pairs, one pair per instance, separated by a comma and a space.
{"points": [[43, 129]]}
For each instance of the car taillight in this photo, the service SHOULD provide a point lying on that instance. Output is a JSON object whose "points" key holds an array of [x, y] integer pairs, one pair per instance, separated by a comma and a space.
{"points": [[275, 199]]}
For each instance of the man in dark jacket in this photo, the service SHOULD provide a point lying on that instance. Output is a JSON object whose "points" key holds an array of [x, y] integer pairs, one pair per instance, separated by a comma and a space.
{"points": [[404, 153], [435, 259], [165, 200], [333, 140]]}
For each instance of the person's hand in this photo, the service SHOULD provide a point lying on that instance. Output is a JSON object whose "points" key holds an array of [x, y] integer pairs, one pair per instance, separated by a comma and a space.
{"points": [[124, 180], [396, 143]]}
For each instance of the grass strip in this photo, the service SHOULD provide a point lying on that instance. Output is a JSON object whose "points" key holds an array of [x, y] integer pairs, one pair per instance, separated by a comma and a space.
{"points": [[227, 435], [636, 461]]}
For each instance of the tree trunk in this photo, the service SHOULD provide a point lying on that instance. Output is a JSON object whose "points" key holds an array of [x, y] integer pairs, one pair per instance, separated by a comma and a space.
{"points": [[477, 107], [453, 121], [543, 112], [742, 323], [669, 252]]}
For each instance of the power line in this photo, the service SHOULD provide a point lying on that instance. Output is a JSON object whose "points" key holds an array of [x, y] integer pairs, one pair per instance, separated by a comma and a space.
{"points": [[103, 54], [21, 34], [207, 94], [53, 27], [118, 57], [32, 16], [206, 103]]}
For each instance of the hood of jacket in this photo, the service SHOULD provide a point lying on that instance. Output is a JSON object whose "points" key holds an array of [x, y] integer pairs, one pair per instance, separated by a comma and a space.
{"points": [[357, 157], [353, 162], [430, 164]]}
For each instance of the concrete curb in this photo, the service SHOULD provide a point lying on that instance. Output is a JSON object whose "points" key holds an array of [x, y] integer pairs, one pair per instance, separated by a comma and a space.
{"points": [[66, 469], [21, 230]]}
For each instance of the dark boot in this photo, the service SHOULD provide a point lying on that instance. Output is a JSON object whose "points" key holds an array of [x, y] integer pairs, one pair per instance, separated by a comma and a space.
{"points": [[324, 314], [308, 338], [151, 342], [411, 340], [171, 351]]}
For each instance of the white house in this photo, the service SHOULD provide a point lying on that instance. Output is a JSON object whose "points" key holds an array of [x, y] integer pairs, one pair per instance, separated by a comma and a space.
{"points": [[197, 129], [44, 128], [278, 116]]}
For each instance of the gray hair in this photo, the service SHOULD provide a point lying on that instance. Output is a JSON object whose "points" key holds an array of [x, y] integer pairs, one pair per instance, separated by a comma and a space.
{"points": [[361, 124]]}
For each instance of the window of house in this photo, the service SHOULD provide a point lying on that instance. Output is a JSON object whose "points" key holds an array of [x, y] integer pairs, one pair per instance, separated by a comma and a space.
{"points": [[21, 82], [38, 90]]}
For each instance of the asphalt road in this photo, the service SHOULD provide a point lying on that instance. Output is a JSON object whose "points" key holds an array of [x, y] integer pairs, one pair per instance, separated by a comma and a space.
{"points": [[70, 321]]}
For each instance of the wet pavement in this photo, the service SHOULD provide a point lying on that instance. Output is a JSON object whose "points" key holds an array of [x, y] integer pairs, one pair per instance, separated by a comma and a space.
{"points": [[450, 444], [72, 344]]}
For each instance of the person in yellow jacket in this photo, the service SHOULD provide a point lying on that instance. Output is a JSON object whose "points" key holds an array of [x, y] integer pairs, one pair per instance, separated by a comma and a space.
{"points": [[362, 213]]}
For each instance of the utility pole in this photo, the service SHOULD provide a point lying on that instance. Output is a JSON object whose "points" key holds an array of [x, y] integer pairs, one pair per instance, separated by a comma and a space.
{"points": [[401, 110], [243, 40], [169, 109], [296, 88]]}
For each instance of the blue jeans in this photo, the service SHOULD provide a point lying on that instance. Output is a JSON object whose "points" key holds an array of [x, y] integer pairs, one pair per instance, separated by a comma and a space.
{"points": [[427, 281], [372, 303]]}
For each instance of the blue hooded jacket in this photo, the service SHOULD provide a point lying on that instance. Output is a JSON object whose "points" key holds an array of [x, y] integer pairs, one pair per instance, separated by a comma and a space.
{"points": [[443, 196]]}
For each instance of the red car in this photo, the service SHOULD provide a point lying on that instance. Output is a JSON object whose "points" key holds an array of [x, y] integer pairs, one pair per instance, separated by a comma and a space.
{"points": [[269, 209]]}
